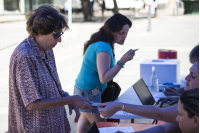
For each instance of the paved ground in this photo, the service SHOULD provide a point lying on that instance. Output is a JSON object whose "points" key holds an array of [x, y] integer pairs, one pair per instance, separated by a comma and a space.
{"points": [[179, 33]]}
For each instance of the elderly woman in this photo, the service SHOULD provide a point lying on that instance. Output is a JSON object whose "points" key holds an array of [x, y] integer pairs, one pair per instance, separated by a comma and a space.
{"points": [[36, 98]]}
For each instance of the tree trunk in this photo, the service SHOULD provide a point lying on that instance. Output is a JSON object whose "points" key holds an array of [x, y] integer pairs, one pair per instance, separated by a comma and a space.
{"points": [[86, 10], [115, 10]]}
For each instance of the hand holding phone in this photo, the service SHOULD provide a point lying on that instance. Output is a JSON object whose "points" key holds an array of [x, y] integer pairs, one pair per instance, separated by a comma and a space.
{"points": [[95, 104]]}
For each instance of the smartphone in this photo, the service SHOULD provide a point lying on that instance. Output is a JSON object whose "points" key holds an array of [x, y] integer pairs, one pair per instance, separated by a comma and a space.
{"points": [[95, 91], [95, 104], [135, 49]]}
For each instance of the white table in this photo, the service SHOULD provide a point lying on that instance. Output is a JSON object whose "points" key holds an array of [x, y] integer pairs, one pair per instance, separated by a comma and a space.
{"points": [[130, 96]]}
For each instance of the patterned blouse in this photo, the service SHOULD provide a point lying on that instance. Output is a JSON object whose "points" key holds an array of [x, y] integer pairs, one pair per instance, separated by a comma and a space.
{"points": [[30, 80]]}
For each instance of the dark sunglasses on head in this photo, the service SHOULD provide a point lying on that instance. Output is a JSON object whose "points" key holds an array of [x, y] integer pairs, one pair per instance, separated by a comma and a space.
{"points": [[57, 35]]}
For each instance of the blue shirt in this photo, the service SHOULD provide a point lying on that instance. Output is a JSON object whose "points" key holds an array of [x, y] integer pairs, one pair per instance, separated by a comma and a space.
{"points": [[88, 77]]}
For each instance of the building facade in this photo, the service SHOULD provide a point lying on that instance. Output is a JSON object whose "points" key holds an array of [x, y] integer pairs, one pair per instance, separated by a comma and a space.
{"points": [[8, 7]]}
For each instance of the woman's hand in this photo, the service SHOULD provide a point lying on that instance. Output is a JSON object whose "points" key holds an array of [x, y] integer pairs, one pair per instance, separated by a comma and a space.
{"points": [[81, 103], [127, 56], [73, 107], [171, 100], [171, 91], [109, 109]]}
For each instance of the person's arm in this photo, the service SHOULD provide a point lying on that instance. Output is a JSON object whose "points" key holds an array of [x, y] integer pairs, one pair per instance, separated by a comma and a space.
{"points": [[171, 91], [103, 65], [166, 114], [166, 128], [181, 90], [57, 102]]}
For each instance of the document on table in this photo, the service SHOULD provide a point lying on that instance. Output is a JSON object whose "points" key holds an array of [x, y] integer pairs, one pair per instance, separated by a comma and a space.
{"points": [[115, 129]]}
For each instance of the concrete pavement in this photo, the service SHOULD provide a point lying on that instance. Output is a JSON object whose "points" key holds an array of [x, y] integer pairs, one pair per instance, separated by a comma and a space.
{"points": [[179, 33]]}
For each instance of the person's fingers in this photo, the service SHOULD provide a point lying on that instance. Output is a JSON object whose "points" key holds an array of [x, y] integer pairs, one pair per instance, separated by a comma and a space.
{"points": [[175, 100], [76, 118], [87, 105], [90, 102], [70, 109], [173, 88], [161, 99], [166, 93], [101, 110], [130, 52], [76, 110], [77, 114], [164, 101], [133, 52], [131, 55], [172, 102], [169, 89]]}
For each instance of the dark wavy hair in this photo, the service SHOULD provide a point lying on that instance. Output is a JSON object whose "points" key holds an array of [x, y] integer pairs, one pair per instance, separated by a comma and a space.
{"points": [[194, 54], [45, 20], [190, 101], [112, 25]]}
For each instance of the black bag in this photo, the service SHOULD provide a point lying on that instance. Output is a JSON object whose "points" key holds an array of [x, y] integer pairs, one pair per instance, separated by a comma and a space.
{"points": [[111, 92]]}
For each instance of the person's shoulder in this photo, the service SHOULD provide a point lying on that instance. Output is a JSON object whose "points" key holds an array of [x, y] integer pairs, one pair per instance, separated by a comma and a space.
{"points": [[103, 44], [23, 50]]}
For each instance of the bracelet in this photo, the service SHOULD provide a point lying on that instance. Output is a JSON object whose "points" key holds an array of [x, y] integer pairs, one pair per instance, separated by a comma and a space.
{"points": [[124, 109], [120, 64]]}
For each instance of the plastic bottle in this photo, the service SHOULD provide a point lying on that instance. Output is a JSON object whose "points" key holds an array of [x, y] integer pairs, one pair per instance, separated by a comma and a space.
{"points": [[154, 80]]}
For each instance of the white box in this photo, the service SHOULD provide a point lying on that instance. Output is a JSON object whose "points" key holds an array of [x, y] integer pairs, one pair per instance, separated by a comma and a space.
{"points": [[167, 70]]}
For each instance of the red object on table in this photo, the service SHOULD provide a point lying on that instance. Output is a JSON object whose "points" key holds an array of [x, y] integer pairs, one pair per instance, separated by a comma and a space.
{"points": [[165, 53]]}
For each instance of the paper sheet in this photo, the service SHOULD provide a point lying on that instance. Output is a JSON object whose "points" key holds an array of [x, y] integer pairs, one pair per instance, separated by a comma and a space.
{"points": [[115, 129]]}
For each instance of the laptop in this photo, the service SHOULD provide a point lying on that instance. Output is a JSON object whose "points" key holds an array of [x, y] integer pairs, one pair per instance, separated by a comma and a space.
{"points": [[145, 95]]}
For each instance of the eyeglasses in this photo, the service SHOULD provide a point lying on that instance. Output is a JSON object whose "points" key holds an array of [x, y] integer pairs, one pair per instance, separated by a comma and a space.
{"points": [[57, 35]]}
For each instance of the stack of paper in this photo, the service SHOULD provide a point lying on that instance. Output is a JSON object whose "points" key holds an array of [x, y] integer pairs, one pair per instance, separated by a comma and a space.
{"points": [[115, 129]]}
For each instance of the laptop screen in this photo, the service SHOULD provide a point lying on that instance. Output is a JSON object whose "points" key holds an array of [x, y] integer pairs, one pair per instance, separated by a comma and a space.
{"points": [[92, 128], [143, 92]]}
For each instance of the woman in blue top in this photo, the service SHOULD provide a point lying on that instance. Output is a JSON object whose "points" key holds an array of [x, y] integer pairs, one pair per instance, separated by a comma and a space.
{"points": [[99, 67]]}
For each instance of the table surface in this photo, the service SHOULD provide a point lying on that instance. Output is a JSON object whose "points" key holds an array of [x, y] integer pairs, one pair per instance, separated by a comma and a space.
{"points": [[130, 97], [135, 126]]}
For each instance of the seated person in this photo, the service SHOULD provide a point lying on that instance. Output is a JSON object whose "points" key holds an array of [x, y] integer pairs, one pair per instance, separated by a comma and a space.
{"points": [[194, 57], [166, 114], [192, 77], [188, 115]]}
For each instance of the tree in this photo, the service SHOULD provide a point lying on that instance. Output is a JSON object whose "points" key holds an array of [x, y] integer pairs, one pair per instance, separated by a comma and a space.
{"points": [[86, 10], [115, 10]]}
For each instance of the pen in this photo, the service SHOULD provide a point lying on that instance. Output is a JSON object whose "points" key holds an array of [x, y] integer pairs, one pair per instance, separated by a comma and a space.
{"points": [[118, 126]]}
